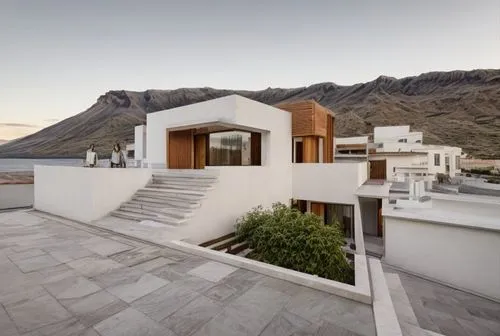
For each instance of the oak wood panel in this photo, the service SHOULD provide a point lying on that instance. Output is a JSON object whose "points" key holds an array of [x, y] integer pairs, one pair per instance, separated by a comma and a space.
{"points": [[378, 169], [328, 146], [180, 149], [302, 116], [318, 209], [200, 150], [320, 120], [310, 149]]}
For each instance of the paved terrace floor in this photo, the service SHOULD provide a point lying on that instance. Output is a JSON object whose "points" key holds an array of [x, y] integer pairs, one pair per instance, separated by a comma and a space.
{"points": [[68, 279], [440, 310]]}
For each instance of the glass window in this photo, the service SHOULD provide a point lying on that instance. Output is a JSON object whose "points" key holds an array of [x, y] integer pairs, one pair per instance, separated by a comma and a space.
{"points": [[403, 140], [229, 149], [437, 159], [457, 162]]}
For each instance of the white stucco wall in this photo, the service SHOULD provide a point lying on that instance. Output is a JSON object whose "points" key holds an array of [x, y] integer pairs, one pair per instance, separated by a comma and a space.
{"points": [[461, 257], [238, 190], [16, 196], [140, 142], [389, 133], [332, 183], [241, 188], [85, 194], [328, 182], [216, 110]]}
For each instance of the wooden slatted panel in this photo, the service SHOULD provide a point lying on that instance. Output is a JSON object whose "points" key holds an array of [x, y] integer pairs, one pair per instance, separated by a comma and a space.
{"points": [[255, 149], [310, 149], [180, 149], [200, 154], [328, 145], [378, 169], [318, 209], [302, 116], [320, 120]]}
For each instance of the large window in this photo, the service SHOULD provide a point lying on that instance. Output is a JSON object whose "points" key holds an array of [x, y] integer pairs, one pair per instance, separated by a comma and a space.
{"points": [[344, 214], [437, 159], [457, 162], [230, 149]]}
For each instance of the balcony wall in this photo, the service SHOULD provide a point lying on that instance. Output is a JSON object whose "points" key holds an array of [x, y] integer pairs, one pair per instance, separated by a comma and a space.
{"points": [[328, 182]]}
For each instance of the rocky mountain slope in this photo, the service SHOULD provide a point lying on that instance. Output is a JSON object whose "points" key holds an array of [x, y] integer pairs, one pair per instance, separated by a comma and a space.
{"points": [[459, 108]]}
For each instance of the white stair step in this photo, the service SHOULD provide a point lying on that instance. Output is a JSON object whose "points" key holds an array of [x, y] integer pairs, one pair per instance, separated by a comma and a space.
{"points": [[180, 214], [180, 186], [170, 196], [186, 178], [145, 212], [166, 202], [173, 191], [141, 217], [158, 208]]}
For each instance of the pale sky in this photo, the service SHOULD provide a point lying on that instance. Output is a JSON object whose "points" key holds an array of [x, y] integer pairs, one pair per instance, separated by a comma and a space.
{"points": [[58, 56]]}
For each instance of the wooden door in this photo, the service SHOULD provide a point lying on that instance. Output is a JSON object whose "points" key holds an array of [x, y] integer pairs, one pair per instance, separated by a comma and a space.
{"points": [[200, 151], [380, 223], [180, 149], [378, 169], [256, 149]]}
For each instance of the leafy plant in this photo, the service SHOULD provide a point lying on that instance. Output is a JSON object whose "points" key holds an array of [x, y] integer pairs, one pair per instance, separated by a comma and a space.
{"points": [[288, 238]]}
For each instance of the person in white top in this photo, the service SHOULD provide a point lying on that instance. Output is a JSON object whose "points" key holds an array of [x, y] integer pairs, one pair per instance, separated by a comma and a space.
{"points": [[117, 157], [91, 158]]}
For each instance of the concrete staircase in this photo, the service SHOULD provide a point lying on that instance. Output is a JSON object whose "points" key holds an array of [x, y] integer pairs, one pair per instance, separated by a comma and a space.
{"points": [[169, 198]]}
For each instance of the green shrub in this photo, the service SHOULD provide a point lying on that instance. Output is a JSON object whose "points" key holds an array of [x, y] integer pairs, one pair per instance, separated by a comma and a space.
{"points": [[285, 237]]}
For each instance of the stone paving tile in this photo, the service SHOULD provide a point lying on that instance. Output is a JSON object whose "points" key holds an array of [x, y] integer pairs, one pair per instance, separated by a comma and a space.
{"points": [[36, 313], [130, 322], [316, 306], [105, 247], [7, 327], [70, 253], [221, 292], [137, 255], [56, 273], [95, 308], [22, 293], [165, 301], [16, 256], [106, 285], [153, 264], [249, 314], [70, 327], [72, 288], [129, 284], [286, 323], [212, 271], [448, 311], [92, 266], [36, 263], [193, 316]]}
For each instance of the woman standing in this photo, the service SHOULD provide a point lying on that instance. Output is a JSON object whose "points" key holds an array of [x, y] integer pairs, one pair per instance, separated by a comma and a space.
{"points": [[117, 157], [91, 158]]}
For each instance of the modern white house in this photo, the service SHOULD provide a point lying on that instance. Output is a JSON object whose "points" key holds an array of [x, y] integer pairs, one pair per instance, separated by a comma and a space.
{"points": [[204, 165], [396, 154]]}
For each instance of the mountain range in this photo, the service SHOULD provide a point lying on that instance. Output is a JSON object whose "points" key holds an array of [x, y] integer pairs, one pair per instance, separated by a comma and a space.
{"points": [[458, 108]]}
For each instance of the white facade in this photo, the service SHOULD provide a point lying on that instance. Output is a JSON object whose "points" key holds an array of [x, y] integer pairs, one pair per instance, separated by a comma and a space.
{"points": [[140, 151], [85, 194]]}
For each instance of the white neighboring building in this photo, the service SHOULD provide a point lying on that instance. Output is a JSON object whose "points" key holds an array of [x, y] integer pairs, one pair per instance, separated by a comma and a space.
{"points": [[397, 154]]}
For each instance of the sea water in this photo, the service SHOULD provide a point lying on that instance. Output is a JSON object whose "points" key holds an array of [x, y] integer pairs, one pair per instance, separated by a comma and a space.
{"points": [[12, 165]]}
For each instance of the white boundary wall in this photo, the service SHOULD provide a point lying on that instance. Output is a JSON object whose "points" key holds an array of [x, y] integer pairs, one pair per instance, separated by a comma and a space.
{"points": [[463, 257], [85, 194], [16, 195]]}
